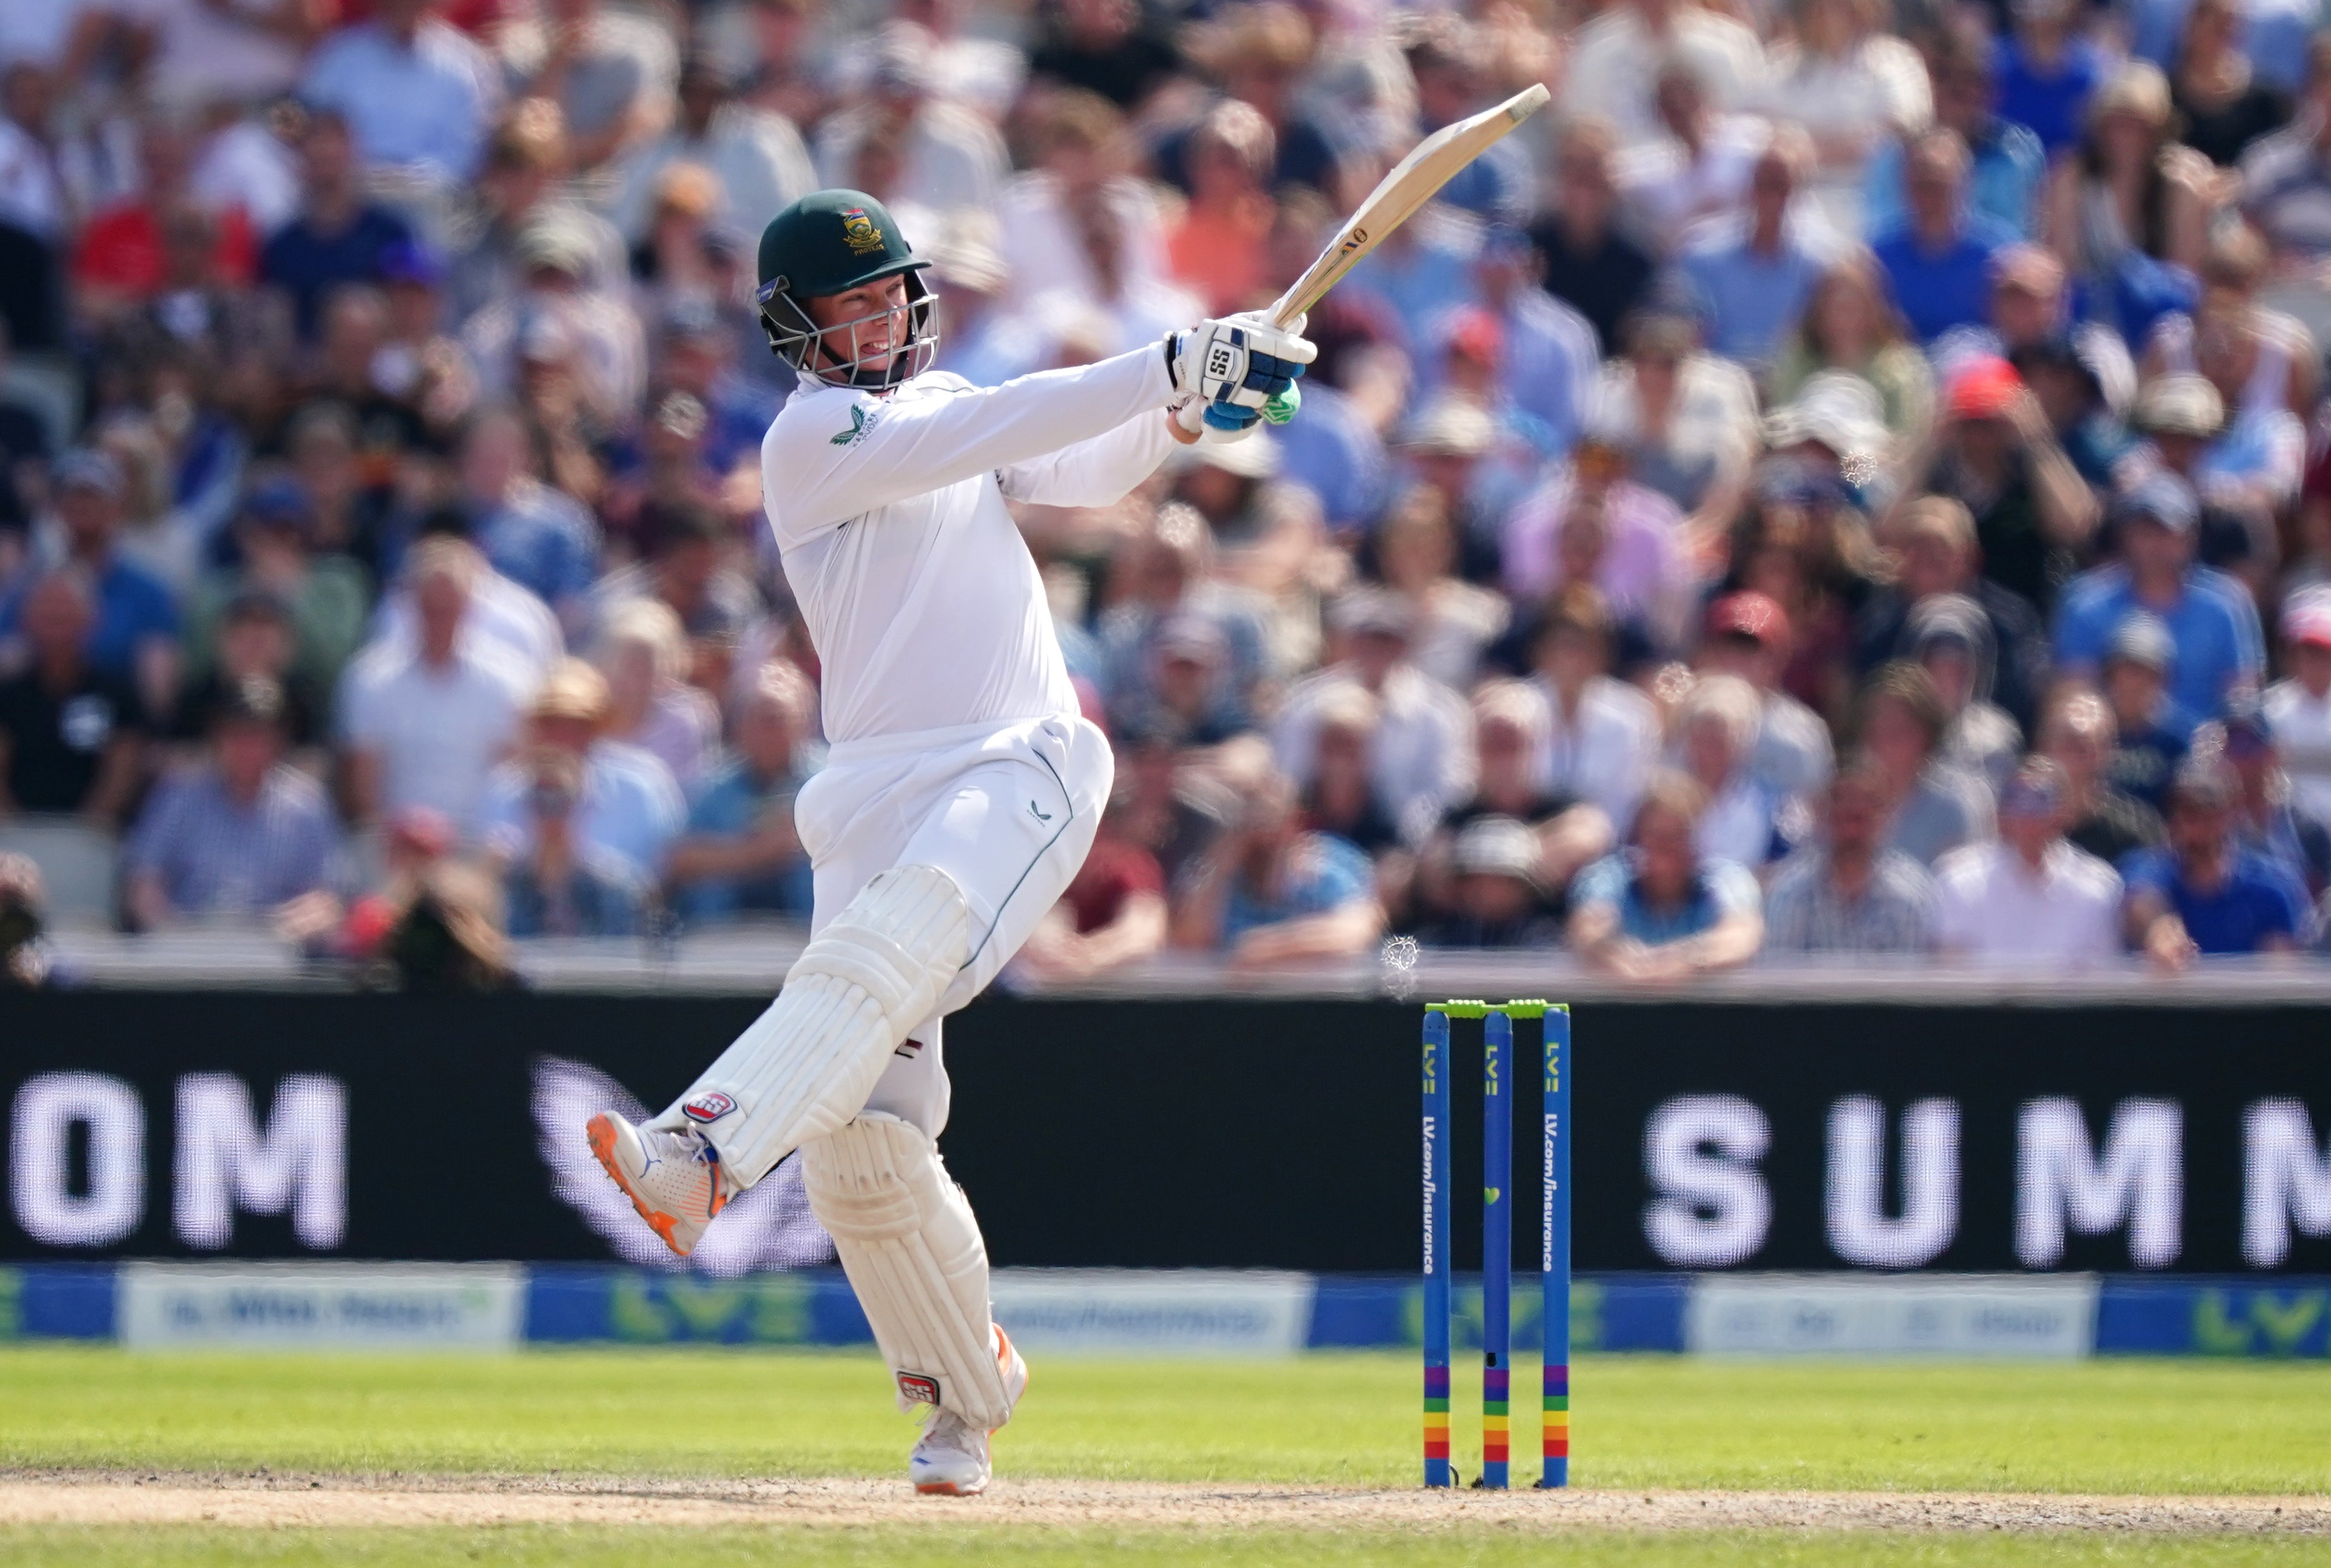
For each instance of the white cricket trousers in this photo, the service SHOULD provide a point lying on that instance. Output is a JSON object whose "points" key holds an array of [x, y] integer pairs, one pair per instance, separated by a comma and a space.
{"points": [[1008, 810]]}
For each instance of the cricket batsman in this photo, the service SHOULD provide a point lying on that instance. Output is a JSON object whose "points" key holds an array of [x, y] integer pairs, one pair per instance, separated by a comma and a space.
{"points": [[963, 789]]}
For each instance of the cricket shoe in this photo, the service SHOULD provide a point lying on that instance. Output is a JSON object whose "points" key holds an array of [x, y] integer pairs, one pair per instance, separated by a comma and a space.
{"points": [[951, 1460], [673, 1179]]}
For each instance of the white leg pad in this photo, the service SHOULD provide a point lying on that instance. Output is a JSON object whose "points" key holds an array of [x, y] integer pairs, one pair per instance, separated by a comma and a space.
{"points": [[805, 1065], [914, 1256]]}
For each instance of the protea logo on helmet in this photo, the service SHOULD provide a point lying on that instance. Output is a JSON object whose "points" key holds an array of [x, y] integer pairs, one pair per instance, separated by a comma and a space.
{"points": [[708, 1108], [859, 232]]}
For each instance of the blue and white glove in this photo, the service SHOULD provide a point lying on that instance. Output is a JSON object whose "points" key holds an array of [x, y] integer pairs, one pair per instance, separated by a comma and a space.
{"points": [[1236, 364]]}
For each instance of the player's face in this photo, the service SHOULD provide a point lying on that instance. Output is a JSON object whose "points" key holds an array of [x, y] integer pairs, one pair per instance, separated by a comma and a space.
{"points": [[864, 324]]}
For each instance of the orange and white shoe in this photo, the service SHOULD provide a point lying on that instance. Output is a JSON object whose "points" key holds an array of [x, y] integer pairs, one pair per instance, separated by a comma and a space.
{"points": [[673, 1179], [951, 1459]]}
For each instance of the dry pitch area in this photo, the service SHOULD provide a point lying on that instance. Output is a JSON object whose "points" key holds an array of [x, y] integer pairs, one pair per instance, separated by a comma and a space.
{"points": [[710, 1457], [339, 1502]]}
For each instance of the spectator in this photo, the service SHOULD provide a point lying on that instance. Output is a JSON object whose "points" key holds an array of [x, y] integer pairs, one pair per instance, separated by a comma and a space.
{"points": [[1847, 891], [560, 881], [525, 162], [133, 636], [2131, 200], [337, 236], [2222, 103], [1604, 735], [2030, 311], [1754, 274], [1510, 724], [326, 596], [1540, 362], [1260, 54], [1849, 326], [1937, 263], [417, 95], [2066, 374], [945, 155], [1696, 174], [1951, 640], [1591, 265], [1935, 554], [1494, 898], [1591, 524], [1715, 732], [1935, 807], [1995, 453], [1421, 761], [625, 811], [1342, 799], [1078, 230], [2152, 730], [2299, 706], [2205, 895], [643, 655], [2031, 899], [1661, 910], [610, 72], [1170, 577], [1113, 915], [1686, 420], [2212, 624], [238, 836], [2284, 175], [1851, 88], [755, 155], [2047, 71], [1455, 621], [2078, 735], [425, 720], [1615, 61], [253, 639], [1217, 248], [1124, 52], [2266, 824], [71, 734], [1172, 808], [739, 852], [1267, 893], [533, 536], [1748, 636], [1448, 59], [2007, 167]]}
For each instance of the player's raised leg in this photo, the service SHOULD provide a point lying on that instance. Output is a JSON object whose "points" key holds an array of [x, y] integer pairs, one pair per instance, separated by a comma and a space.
{"points": [[806, 1065]]}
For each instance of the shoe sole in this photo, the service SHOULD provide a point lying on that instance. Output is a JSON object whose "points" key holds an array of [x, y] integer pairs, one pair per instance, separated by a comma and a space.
{"points": [[949, 1489], [602, 1134]]}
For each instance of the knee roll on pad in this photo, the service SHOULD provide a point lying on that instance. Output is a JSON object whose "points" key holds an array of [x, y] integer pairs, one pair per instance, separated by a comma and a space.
{"points": [[806, 1065], [914, 1255]]}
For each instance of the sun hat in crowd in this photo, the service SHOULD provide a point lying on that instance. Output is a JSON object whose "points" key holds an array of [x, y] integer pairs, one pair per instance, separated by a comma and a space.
{"points": [[2143, 640], [1497, 847], [1984, 386], [2182, 405]]}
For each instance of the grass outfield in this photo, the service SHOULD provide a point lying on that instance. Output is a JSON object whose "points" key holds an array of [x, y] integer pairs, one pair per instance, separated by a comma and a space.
{"points": [[2193, 1427], [2154, 1426]]}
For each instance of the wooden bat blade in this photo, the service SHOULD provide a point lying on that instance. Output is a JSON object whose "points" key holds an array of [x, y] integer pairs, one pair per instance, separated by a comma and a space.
{"points": [[1432, 164]]}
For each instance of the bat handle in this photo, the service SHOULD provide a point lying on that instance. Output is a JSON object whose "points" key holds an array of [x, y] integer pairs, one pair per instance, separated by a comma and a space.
{"points": [[1283, 312]]}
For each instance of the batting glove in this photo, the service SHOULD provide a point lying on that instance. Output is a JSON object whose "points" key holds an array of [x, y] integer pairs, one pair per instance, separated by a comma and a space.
{"points": [[1237, 363]]}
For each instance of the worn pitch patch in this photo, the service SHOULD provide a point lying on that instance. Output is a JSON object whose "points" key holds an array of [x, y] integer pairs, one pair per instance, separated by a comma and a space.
{"points": [[270, 1501]]}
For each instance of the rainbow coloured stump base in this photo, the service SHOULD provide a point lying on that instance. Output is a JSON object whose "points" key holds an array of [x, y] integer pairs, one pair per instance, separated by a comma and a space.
{"points": [[1497, 1240]]}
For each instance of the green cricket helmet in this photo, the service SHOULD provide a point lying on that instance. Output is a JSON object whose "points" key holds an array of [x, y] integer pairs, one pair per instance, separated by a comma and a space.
{"points": [[827, 242]]}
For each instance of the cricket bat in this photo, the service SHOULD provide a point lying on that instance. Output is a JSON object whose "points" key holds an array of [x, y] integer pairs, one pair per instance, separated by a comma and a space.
{"points": [[1398, 195]]}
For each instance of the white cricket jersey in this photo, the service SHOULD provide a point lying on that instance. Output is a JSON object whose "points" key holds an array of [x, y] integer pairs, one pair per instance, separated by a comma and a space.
{"points": [[920, 596]]}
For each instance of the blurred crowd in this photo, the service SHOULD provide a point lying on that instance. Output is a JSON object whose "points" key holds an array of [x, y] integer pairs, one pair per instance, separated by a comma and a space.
{"points": [[1848, 479]]}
